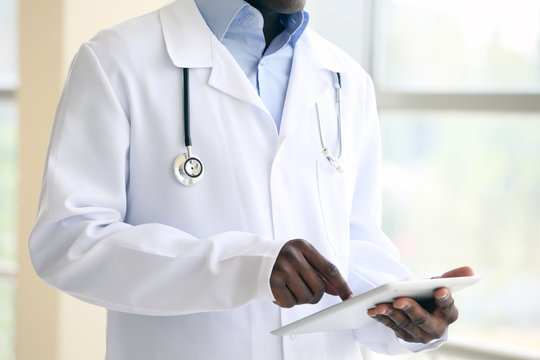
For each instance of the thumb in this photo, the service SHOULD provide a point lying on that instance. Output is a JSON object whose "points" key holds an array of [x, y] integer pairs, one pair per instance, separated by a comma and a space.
{"points": [[461, 271]]}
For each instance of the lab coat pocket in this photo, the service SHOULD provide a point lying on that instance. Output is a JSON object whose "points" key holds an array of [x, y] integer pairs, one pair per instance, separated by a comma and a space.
{"points": [[335, 193]]}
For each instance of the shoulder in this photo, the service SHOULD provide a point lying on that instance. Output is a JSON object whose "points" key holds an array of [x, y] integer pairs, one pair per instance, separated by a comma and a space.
{"points": [[334, 55], [330, 57], [122, 56], [129, 44]]}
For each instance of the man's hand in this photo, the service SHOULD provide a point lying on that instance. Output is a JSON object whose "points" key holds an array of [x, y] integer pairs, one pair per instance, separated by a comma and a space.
{"points": [[302, 275], [414, 323]]}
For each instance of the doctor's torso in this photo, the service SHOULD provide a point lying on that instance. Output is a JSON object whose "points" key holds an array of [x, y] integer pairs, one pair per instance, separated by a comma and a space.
{"points": [[257, 180]]}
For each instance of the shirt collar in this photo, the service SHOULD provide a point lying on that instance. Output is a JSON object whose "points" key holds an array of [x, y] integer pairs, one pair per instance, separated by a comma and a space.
{"points": [[295, 24], [219, 14]]}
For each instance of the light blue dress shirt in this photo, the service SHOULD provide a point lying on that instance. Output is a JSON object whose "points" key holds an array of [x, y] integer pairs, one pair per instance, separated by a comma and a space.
{"points": [[239, 27]]}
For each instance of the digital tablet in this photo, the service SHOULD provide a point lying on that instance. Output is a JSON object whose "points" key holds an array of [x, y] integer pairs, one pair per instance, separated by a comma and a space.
{"points": [[352, 313]]}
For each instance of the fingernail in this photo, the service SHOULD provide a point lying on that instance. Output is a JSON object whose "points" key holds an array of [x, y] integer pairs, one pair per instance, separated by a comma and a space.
{"points": [[444, 297], [403, 307]]}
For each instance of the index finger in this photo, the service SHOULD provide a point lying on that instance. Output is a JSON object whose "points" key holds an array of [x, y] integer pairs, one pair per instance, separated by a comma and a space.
{"points": [[329, 272]]}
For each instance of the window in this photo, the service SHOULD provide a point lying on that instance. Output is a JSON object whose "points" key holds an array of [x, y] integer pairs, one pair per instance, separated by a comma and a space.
{"points": [[458, 88], [8, 179], [458, 45]]}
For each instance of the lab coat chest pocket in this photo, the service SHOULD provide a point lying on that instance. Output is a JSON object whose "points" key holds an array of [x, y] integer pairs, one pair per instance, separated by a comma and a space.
{"points": [[335, 193]]}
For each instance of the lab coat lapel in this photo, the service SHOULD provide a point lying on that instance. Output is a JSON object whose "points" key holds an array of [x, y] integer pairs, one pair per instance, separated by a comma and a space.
{"points": [[190, 43], [187, 37], [311, 76], [228, 77]]}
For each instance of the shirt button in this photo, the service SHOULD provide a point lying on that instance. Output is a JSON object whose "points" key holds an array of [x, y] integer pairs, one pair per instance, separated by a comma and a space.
{"points": [[262, 62]]}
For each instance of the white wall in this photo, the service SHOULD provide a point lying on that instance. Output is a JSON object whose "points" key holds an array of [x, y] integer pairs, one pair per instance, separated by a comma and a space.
{"points": [[342, 22]]}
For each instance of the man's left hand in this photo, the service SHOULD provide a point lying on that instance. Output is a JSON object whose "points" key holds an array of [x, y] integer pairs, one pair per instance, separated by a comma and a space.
{"points": [[414, 323]]}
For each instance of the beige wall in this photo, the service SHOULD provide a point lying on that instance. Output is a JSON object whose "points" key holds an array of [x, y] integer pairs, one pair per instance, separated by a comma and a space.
{"points": [[50, 325]]}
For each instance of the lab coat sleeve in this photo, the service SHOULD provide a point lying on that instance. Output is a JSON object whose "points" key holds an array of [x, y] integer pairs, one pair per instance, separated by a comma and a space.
{"points": [[81, 245], [374, 260]]}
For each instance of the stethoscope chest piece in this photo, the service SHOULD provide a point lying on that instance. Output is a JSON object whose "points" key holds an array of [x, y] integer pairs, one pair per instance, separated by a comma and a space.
{"points": [[188, 169]]}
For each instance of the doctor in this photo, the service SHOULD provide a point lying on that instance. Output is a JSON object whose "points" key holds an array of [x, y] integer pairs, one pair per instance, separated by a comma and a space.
{"points": [[280, 130]]}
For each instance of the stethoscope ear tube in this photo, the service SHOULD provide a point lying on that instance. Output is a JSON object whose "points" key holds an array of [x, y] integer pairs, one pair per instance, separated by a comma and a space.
{"points": [[334, 160]]}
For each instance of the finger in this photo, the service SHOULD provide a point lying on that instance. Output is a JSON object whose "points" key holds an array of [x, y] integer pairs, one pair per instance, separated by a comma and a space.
{"points": [[302, 279], [300, 290], [329, 271], [402, 323], [429, 326], [461, 271], [445, 305], [328, 288], [285, 298], [315, 284], [278, 283], [393, 326], [382, 313]]}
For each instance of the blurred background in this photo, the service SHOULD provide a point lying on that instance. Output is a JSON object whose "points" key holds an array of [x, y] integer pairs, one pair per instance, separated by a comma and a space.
{"points": [[458, 87]]}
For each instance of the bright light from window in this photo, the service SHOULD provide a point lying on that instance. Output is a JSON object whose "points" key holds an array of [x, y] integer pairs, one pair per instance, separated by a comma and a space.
{"points": [[434, 45], [464, 189], [8, 44], [8, 174]]}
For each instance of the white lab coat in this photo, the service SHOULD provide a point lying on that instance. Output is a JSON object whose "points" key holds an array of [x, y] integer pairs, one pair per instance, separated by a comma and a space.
{"points": [[184, 271]]}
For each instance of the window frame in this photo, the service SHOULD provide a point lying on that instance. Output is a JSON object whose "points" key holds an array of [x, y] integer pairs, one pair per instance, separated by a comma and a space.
{"points": [[8, 269], [499, 101]]}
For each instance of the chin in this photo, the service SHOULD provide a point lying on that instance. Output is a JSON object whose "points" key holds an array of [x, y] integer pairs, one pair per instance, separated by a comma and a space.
{"points": [[292, 6]]}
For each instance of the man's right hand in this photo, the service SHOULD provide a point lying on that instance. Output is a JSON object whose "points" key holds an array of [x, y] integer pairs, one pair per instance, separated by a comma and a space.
{"points": [[301, 275]]}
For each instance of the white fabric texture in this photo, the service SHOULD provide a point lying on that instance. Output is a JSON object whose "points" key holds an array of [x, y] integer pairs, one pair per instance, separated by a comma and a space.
{"points": [[184, 271]]}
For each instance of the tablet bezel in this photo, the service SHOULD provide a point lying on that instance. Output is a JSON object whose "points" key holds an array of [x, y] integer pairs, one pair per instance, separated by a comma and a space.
{"points": [[352, 313]]}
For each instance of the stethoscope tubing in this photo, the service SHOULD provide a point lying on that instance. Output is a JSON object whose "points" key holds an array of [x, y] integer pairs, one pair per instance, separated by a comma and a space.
{"points": [[180, 164], [187, 111], [188, 168], [334, 160]]}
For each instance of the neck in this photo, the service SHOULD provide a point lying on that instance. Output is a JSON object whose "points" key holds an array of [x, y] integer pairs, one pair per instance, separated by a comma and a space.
{"points": [[272, 26]]}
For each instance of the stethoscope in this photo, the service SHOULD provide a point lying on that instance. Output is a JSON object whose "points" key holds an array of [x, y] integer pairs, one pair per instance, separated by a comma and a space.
{"points": [[335, 161], [189, 169]]}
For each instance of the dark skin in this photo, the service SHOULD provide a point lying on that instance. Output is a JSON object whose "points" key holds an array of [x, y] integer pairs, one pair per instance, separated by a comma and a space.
{"points": [[301, 275], [271, 11], [414, 323]]}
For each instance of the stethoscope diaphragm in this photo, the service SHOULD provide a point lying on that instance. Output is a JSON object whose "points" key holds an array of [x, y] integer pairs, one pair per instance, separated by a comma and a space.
{"points": [[188, 169]]}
